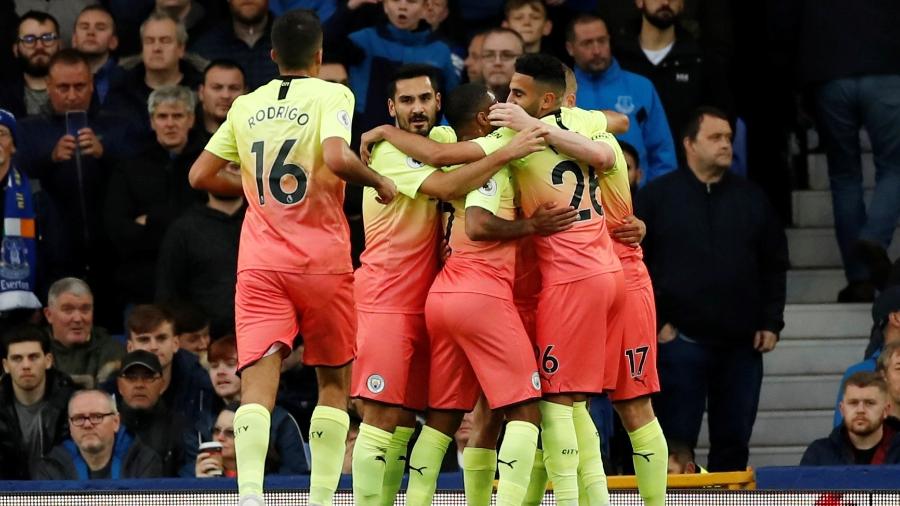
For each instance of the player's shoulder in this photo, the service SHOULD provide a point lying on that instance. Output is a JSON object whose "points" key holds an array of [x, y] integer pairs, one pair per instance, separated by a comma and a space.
{"points": [[443, 134], [499, 134]]}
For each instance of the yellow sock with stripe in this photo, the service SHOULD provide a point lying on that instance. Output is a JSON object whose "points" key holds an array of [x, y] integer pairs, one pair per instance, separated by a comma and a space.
{"points": [[537, 486], [396, 464], [651, 459], [369, 461], [425, 465], [560, 451], [327, 443], [515, 460], [252, 423], [479, 467], [590, 461]]}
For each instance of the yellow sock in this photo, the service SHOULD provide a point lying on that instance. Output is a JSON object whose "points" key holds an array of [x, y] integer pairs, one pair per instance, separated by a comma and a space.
{"points": [[327, 443], [651, 460], [479, 467], [396, 464], [515, 460], [560, 451], [590, 461], [369, 461], [252, 423], [537, 486], [425, 465]]}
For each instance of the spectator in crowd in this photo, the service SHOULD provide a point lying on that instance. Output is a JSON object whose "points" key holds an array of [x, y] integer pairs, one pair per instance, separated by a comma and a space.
{"points": [[192, 328], [868, 435], [323, 8], [198, 259], [886, 318], [673, 60], [186, 388], [889, 368], [95, 36], [334, 72], [854, 80], [147, 194], [24, 91], [499, 51], [682, 459], [246, 40], [473, 59], [69, 152], [633, 161], [85, 352], [100, 447], [145, 415], [529, 19], [603, 84], [18, 253], [286, 454], [718, 267], [374, 52], [65, 13], [163, 43], [33, 399], [221, 463], [191, 13], [223, 81]]}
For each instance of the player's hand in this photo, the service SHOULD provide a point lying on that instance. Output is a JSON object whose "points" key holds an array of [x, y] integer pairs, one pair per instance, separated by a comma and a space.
{"points": [[368, 141], [89, 143], [64, 149], [386, 189], [667, 334], [445, 250], [548, 219], [764, 341], [141, 220], [527, 141], [632, 232], [511, 116], [208, 465]]}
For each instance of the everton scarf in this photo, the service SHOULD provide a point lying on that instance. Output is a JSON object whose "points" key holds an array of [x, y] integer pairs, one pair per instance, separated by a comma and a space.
{"points": [[18, 255]]}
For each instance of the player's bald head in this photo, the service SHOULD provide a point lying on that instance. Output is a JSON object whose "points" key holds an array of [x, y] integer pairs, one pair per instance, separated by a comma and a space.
{"points": [[296, 38]]}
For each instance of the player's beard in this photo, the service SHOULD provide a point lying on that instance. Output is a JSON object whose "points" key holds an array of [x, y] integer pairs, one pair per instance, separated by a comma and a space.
{"points": [[663, 18], [35, 69], [408, 124]]}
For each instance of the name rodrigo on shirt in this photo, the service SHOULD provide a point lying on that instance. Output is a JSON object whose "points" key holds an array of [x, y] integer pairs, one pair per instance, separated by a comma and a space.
{"points": [[281, 112]]}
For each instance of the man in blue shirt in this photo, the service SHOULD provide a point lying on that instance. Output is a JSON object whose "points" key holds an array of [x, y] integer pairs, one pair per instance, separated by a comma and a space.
{"points": [[602, 84]]}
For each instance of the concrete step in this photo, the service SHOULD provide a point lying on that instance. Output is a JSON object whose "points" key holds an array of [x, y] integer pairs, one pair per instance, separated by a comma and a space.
{"points": [[812, 208], [827, 321], [806, 392], [763, 456], [817, 247], [817, 165], [814, 286], [813, 356], [782, 428]]}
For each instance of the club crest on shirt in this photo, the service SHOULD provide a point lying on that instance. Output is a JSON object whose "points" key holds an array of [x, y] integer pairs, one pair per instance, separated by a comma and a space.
{"points": [[489, 188], [536, 381], [413, 163], [624, 104], [344, 118], [375, 383]]}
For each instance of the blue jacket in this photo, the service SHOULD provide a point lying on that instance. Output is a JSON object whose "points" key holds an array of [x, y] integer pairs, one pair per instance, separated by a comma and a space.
{"points": [[634, 96], [867, 365]]}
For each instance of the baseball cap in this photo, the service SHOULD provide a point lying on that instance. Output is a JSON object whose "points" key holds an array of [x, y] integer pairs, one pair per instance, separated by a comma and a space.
{"points": [[886, 303], [141, 358], [8, 120]]}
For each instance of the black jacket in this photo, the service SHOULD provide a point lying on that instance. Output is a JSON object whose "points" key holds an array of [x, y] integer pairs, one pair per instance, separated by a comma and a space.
{"points": [[156, 185], [717, 256], [198, 263], [159, 429], [836, 449], [14, 458]]}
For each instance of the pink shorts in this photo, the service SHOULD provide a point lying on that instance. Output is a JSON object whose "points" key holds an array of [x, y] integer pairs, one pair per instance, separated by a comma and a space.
{"points": [[275, 307], [392, 360], [572, 332], [631, 347], [478, 345]]}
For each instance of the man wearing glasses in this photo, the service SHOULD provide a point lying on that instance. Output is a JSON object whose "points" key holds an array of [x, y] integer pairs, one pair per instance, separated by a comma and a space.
{"points": [[499, 51], [37, 40], [99, 447]]}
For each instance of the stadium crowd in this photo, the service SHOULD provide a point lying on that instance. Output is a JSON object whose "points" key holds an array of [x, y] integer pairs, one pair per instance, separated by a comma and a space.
{"points": [[117, 278]]}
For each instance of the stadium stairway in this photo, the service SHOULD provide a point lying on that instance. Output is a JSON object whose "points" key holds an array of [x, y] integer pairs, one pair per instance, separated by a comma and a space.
{"points": [[821, 338]]}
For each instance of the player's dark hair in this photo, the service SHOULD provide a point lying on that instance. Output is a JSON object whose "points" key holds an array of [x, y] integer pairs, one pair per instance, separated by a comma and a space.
{"points": [[692, 125], [546, 70], [68, 56], [464, 103], [25, 333], [296, 37], [581, 19], [413, 70], [631, 150], [146, 317], [40, 17], [224, 63]]}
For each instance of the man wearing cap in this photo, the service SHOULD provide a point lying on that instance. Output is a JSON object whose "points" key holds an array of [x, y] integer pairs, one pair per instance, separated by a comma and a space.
{"points": [[145, 414], [886, 318]]}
